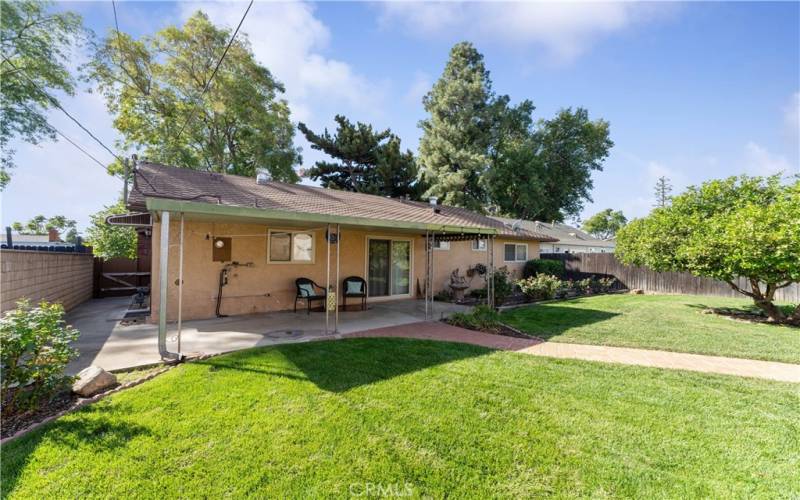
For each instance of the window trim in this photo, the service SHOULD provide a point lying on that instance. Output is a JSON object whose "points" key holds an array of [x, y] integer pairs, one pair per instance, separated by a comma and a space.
{"points": [[446, 249], [485, 245], [291, 260], [515, 252]]}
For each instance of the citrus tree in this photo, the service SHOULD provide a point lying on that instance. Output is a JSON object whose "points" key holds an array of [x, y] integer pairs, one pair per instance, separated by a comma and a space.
{"points": [[725, 229]]}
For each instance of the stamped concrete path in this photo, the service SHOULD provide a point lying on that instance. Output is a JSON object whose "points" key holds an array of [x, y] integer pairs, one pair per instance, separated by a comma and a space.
{"points": [[785, 372]]}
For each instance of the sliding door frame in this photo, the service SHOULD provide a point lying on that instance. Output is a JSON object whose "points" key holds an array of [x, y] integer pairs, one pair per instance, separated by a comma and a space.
{"points": [[410, 240]]}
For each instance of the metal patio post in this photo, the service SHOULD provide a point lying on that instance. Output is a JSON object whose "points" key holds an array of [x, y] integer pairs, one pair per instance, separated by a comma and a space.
{"points": [[327, 276], [180, 287], [338, 292]]}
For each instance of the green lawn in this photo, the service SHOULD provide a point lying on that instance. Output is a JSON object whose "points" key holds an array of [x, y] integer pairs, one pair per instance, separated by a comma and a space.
{"points": [[328, 418], [667, 322]]}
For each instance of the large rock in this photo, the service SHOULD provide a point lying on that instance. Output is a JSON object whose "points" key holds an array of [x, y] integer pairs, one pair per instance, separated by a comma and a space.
{"points": [[92, 380]]}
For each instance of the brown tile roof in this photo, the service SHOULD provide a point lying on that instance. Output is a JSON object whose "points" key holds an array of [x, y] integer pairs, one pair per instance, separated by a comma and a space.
{"points": [[160, 181]]}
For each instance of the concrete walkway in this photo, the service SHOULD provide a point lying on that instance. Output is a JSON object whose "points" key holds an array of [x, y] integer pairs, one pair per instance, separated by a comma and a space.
{"points": [[771, 370]]}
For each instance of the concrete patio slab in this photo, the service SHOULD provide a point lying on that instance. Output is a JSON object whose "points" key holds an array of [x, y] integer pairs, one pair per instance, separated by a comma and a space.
{"points": [[106, 342]]}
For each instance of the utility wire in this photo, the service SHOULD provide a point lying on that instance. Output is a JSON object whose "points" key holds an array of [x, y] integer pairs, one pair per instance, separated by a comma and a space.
{"points": [[55, 103], [104, 167], [224, 53]]}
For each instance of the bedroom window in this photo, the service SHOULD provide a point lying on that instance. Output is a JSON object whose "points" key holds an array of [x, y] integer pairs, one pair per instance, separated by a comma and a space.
{"points": [[291, 247], [515, 252], [441, 245], [479, 245]]}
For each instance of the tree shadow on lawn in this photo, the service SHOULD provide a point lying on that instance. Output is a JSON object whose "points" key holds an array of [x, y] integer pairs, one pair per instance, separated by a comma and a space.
{"points": [[548, 320], [341, 365], [94, 430]]}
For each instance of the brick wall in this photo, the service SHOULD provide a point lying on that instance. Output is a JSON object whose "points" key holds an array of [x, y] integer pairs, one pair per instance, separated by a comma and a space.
{"points": [[51, 276]]}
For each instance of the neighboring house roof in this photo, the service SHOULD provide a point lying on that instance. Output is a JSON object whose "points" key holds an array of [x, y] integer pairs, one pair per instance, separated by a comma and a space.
{"points": [[563, 233], [152, 180]]}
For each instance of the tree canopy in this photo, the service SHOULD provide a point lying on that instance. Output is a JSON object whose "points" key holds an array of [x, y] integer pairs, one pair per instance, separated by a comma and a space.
{"points": [[725, 229], [479, 151], [605, 224], [154, 88], [370, 161], [109, 241], [35, 48], [41, 224]]}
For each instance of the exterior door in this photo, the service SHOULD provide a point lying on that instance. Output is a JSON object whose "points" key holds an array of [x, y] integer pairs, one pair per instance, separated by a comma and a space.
{"points": [[389, 267]]}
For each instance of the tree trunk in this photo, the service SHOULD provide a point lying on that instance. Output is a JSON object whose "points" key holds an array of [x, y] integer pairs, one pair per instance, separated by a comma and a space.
{"points": [[764, 301]]}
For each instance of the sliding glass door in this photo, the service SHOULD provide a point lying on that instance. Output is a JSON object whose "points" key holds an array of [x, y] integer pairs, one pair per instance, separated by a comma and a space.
{"points": [[389, 267]]}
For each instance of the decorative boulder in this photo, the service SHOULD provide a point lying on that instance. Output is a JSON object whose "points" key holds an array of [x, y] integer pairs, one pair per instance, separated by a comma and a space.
{"points": [[637, 291], [92, 380]]}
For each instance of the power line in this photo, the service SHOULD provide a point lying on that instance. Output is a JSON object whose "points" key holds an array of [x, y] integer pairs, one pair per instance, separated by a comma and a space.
{"points": [[105, 168], [213, 73], [55, 103]]}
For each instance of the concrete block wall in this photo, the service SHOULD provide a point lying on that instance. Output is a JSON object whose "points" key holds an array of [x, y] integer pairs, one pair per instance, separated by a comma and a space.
{"points": [[53, 276]]}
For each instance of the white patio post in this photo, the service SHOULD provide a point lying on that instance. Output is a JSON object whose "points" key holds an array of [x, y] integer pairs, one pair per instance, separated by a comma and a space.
{"points": [[327, 275], [163, 280], [427, 281], [180, 287], [338, 292]]}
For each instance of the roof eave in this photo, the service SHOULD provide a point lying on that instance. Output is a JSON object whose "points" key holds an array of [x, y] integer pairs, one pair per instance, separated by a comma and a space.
{"points": [[192, 207]]}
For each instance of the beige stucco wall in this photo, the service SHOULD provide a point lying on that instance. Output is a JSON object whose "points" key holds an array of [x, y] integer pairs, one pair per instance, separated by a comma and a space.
{"points": [[51, 276], [270, 286]]}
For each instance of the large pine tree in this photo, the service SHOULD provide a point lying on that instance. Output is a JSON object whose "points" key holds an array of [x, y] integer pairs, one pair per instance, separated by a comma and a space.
{"points": [[453, 150], [369, 161]]}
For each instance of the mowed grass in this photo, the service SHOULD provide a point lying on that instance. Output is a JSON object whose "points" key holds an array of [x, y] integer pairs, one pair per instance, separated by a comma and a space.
{"points": [[667, 322], [341, 418]]}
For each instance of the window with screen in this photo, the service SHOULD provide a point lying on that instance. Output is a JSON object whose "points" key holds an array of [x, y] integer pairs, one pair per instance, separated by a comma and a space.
{"points": [[479, 245], [289, 246], [515, 252]]}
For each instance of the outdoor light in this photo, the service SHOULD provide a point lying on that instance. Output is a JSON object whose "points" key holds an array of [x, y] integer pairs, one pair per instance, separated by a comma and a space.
{"points": [[219, 243]]}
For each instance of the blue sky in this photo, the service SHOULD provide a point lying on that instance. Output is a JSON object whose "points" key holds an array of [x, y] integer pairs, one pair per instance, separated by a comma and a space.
{"points": [[693, 91]]}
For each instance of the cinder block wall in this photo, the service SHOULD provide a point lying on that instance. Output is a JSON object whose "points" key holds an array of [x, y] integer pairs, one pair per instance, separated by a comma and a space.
{"points": [[52, 276]]}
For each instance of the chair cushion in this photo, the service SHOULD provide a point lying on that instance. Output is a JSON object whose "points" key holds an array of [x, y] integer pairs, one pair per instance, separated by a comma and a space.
{"points": [[306, 289], [355, 287]]}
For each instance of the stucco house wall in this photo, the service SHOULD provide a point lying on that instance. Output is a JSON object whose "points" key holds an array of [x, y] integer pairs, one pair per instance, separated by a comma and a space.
{"points": [[269, 286]]}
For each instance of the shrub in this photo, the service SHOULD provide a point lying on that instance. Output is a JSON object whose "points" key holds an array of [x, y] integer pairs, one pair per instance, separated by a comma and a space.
{"points": [[583, 286], [503, 287], [541, 286], [481, 317], [543, 266], [479, 293], [604, 285], [34, 351], [443, 296]]}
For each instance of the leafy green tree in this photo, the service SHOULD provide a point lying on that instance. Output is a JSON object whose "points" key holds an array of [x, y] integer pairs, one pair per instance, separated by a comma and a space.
{"points": [[605, 224], [35, 48], [478, 151], [725, 229], [109, 241], [41, 224], [545, 172], [369, 161], [454, 148], [154, 88]]}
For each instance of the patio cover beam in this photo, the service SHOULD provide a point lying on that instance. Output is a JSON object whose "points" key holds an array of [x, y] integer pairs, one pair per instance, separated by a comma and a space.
{"points": [[193, 207]]}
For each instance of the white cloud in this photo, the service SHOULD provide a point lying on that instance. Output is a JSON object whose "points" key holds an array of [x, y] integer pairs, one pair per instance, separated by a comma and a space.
{"points": [[565, 29], [289, 40], [759, 161], [791, 117]]}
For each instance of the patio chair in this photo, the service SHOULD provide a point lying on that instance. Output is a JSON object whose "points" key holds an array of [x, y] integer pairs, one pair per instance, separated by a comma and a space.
{"points": [[310, 291], [354, 286]]}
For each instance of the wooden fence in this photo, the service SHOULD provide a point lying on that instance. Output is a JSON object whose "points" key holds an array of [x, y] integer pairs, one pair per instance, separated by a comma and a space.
{"points": [[631, 277]]}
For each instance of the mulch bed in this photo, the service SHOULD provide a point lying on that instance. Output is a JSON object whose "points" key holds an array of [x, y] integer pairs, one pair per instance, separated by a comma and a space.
{"points": [[15, 423], [744, 315]]}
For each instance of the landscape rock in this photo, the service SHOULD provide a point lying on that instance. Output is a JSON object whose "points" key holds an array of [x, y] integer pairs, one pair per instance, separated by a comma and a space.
{"points": [[92, 380], [637, 291]]}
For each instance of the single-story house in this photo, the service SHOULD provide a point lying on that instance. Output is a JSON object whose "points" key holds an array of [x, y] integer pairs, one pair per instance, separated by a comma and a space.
{"points": [[569, 239], [266, 234]]}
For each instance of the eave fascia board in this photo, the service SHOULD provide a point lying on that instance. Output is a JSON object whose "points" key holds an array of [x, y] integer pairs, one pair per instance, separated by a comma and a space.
{"points": [[176, 206]]}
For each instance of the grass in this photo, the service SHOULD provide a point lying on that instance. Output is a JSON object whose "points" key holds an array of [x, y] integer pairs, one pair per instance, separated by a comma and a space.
{"points": [[666, 322], [436, 419]]}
